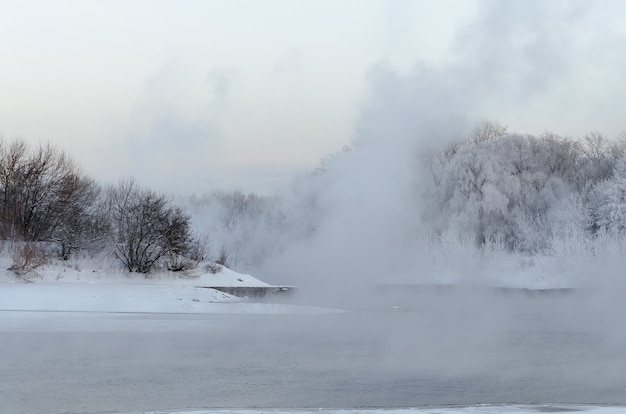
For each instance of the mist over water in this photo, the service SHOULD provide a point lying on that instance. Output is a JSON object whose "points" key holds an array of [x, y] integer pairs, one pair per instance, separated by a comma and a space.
{"points": [[355, 235], [504, 346], [369, 222], [439, 347], [359, 230]]}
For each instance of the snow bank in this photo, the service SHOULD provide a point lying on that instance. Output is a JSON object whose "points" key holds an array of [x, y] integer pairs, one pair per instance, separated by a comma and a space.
{"points": [[108, 297], [446, 410], [134, 298], [98, 286], [107, 270]]}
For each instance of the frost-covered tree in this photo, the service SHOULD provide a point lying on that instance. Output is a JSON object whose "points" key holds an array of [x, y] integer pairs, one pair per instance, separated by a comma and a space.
{"points": [[502, 186], [598, 157], [607, 201], [488, 130], [560, 156]]}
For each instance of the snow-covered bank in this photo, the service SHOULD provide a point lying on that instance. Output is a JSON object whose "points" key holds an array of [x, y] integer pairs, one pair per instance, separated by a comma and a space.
{"points": [[480, 409], [133, 297], [87, 286], [108, 297], [92, 285]]}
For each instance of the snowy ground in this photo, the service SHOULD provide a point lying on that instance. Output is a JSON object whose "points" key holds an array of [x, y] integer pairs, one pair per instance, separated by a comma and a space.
{"points": [[89, 286], [440, 410]]}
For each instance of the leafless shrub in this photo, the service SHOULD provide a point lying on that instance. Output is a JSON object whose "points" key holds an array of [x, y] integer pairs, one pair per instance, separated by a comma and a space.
{"points": [[224, 256], [189, 257], [213, 268], [26, 258], [179, 263]]}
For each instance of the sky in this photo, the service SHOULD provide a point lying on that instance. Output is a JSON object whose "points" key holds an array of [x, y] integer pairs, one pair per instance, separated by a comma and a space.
{"points": [[194, 96]]}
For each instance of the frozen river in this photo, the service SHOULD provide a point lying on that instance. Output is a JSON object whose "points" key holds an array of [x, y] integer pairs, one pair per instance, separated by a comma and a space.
{"points": [[437, 348]]}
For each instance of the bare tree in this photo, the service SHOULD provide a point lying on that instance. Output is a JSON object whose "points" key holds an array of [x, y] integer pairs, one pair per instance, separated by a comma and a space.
{"points": [[598, 157], [488, 131], [224, 256], [12, 159], [144, 227], [43, 195], [73, 215]]}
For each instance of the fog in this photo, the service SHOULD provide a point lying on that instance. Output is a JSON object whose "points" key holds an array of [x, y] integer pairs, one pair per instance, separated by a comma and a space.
{"points": [[375, 214], [440, 347], [369, 202], [363, 221], [364, 233]]}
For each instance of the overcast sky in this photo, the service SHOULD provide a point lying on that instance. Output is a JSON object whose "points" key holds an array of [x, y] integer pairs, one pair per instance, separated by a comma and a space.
{"points": [[191, 96]]}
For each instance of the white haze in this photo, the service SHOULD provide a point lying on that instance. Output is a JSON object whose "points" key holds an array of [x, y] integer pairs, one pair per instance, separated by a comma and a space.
{"points": [[359, 223], [513, 59]]}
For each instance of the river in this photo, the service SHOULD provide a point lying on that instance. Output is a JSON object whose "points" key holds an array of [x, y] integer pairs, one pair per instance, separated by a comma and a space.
{"points": [[431, 348]]}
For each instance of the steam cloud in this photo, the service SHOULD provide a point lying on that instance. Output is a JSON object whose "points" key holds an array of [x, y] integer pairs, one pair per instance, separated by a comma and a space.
{"points": [[512, 62]]}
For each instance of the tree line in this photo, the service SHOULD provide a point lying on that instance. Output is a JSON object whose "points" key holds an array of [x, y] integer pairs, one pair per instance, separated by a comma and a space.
{"points": [[46, 199], [491, 186], [523, 190]]}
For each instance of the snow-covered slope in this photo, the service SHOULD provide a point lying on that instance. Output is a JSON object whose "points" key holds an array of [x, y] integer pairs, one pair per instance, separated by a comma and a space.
{"points": [[92, 286], [479, 409]]}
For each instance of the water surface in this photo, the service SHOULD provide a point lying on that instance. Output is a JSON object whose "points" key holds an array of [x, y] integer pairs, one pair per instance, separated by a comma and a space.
{"points": [[431, 348]]}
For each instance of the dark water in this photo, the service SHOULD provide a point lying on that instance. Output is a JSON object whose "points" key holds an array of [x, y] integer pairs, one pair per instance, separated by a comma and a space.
{"points": [[431, 348]]}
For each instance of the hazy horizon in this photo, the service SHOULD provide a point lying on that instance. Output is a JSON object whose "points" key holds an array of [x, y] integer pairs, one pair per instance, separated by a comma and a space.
{"points": [[193, 97]]}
